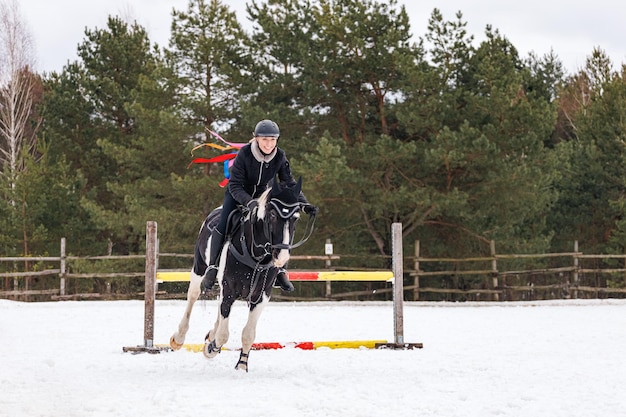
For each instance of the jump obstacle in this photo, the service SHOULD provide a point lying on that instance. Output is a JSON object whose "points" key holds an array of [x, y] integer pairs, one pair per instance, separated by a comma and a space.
{"points": [[153, 277]]}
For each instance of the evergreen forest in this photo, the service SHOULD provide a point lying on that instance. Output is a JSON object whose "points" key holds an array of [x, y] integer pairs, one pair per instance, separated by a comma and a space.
{"points": [[462, 142]]}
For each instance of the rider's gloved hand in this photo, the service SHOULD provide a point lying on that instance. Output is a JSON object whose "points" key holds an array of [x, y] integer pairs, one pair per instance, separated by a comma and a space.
{"points": [[310, 209], [252, 204]]}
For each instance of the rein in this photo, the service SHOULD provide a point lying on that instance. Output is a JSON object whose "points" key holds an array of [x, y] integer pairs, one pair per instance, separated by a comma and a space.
{"points": [[247, 256], [310, 226]]}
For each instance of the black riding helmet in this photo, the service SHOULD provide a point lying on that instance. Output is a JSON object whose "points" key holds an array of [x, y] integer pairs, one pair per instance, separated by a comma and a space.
{"points": [[266, 128]]}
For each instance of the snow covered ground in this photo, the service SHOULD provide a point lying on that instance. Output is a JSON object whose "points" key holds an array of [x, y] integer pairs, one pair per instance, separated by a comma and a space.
{"points": [[563, 358]]}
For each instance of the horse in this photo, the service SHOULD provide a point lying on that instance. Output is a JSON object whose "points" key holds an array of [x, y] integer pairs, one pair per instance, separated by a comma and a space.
{"points": [[257, 247]]}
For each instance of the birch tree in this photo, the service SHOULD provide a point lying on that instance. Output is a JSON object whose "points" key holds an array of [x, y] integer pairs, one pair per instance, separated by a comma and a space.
{"points": [[16, 91]]}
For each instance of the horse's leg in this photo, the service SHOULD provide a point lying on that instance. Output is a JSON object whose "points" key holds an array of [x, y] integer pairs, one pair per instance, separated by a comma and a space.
{"points": [[249, 333], [178, 338], [217, 337]]}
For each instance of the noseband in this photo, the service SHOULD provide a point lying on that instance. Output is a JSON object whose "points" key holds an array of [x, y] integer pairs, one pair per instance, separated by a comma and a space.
{"points": [[284, 210]]}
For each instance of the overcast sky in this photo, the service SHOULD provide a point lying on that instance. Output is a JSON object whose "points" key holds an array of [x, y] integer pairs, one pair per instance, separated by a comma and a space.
{"points": [[570, 28]]}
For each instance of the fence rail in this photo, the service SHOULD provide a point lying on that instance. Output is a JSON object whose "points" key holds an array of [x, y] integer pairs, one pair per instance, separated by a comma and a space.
{"points": [[482, 277]]}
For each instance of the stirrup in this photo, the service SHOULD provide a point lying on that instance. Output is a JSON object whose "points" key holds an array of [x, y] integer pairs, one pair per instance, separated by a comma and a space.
{"points": [[283, 283], [212, 273]]}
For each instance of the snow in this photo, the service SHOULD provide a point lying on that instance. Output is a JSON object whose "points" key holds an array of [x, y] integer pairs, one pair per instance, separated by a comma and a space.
{"points": [[557, 358]]}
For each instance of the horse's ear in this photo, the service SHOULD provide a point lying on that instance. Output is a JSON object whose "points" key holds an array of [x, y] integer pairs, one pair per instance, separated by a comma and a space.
{"points": [[298, 186]]}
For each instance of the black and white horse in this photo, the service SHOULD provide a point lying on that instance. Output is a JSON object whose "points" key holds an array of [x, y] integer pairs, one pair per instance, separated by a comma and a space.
{"points": [[257, 247]]}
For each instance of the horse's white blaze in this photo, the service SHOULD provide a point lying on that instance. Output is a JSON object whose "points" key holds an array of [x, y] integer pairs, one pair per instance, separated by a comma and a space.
{"points": [[283, 255]]}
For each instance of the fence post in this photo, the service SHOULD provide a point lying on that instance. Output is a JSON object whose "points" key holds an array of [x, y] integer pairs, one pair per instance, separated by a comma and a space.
{"points": [[494, 268], [62, 268], [398, 282], [151, 252], [328, 251], [416, 266], [575, 275]]}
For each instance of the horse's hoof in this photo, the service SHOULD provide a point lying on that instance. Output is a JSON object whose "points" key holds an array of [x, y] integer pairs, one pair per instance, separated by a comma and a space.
{"points": [[174, 344], [210, 350]]}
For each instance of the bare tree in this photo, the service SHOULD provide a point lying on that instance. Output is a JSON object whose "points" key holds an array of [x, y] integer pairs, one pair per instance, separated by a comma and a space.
{"points": [[16, 90]]}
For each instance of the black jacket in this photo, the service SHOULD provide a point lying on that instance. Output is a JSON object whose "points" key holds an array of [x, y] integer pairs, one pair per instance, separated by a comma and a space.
{"points": [[249, 177]]}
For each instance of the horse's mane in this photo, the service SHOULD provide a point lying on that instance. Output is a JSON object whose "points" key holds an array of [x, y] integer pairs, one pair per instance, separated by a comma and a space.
{"points": [[263, 200]]}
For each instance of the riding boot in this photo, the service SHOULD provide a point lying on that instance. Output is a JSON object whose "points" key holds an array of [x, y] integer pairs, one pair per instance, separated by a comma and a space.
{"points": [[217, 241], [282, 281]]}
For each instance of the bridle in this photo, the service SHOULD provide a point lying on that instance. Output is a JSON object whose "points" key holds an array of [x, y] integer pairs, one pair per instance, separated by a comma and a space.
{"points": [[285, 211]]}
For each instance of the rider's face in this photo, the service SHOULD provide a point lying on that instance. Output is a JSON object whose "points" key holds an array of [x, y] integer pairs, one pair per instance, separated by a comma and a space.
{"points": [[267, 143]]}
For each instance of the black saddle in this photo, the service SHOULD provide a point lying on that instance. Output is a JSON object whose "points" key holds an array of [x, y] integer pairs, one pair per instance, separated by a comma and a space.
{"points": [[210, 223], [232, 224]]}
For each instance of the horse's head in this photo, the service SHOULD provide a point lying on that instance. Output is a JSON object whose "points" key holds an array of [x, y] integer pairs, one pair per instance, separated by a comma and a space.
{"points": [[278, 212]]}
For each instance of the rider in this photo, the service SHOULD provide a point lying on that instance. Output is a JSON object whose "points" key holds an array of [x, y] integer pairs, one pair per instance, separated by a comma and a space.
{"points": [[257, 163]]}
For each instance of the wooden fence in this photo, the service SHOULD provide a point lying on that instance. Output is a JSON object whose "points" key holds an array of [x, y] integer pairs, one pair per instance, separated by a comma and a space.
{"points": [[565, 280], [561, 275]]}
